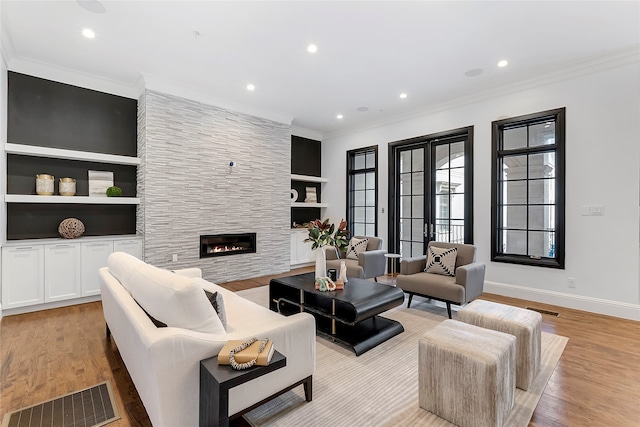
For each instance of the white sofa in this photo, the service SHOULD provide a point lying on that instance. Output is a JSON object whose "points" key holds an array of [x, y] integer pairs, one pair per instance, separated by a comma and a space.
{"points": [[164, 363]]}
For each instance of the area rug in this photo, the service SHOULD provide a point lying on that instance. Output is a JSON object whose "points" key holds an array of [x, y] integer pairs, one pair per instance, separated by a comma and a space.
{"points": [[91, 407], [380, 387]]}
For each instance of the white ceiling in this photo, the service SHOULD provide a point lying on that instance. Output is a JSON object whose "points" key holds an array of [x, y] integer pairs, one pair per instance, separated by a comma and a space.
{"points": [[368, 52]]}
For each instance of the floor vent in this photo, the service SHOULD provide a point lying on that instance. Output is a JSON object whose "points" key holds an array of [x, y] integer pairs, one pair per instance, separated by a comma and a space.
{"points": [[91, 407], [541, 311]]}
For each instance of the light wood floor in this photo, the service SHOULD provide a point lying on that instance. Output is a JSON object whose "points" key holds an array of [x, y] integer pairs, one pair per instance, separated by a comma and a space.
{"points": [[53, 352]]}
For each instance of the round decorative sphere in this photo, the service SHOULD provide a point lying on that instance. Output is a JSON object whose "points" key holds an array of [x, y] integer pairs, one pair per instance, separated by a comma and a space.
{"points": [[71, 228]]}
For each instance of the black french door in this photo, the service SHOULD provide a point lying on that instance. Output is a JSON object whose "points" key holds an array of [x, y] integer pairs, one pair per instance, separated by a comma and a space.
{"points": [[431, 191]]}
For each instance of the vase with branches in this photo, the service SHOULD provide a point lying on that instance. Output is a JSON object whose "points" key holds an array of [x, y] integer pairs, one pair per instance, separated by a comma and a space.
{"points": [[323, 233]]}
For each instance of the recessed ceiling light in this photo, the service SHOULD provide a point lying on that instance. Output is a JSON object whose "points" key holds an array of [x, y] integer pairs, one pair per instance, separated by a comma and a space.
{"points": [[251, 87], [88, 33], [312, 48], [339, 116], [474, 72], [403, 95], [362, 109], [503, 63]]}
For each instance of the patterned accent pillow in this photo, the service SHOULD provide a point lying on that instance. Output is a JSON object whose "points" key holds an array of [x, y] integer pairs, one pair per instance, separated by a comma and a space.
{"points": [[218, 305], [441, 261], [356, 247], [156, 322]]}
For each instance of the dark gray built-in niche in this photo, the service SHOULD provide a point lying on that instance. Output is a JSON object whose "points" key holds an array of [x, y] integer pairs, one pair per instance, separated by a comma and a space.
{"points": [[306, 159], [50, 114]]}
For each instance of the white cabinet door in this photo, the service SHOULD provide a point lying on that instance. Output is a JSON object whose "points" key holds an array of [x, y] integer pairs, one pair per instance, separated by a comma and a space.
{"points": [[132, 247], [22, 276], [94, 257], [62, 277], [300, 250]]}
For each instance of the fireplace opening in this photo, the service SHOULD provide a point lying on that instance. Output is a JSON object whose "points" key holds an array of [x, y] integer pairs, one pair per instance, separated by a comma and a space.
{"points": [[227, 244]]}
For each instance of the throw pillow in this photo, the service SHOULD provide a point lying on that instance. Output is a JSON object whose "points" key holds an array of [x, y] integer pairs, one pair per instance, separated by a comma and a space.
{"points": [[156, 322], [356, 247], [215, 298], [441, 260]]}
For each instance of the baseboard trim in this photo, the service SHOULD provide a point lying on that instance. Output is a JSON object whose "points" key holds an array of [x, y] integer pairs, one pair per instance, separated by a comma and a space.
{"points": [[47, 306], [578, 302]]}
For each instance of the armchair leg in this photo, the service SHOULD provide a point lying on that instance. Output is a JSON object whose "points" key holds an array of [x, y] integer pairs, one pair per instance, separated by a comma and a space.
{"points": [[449, 309], [410, 298], [375, 279]]}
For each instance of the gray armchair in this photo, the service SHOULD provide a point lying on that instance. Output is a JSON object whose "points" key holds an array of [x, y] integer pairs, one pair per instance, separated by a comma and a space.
{"points": [[370, 264], [467, 284]]}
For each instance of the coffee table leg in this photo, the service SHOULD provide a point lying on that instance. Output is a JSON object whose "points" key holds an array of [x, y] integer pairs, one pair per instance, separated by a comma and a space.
{"points": [[333, 317]]}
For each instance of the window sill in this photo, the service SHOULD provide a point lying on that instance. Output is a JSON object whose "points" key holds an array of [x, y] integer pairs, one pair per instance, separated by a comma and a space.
{"points": [[525, 260]]}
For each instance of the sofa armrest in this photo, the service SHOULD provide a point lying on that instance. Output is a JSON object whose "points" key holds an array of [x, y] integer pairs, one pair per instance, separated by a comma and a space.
{"points": [[413, 265], [471, 276], [373, 263], [189, 272]]}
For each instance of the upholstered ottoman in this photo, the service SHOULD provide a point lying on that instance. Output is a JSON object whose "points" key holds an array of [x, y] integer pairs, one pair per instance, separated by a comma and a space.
{"points": [[466, 374], [524, 324]]}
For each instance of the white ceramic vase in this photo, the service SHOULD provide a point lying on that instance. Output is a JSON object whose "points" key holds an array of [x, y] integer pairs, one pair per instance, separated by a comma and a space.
{"points": [[321, 262], [343, 271]]}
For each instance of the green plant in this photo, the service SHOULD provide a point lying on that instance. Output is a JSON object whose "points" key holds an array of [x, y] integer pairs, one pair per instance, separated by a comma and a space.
{"points": [[114, 191], [322, 233]]}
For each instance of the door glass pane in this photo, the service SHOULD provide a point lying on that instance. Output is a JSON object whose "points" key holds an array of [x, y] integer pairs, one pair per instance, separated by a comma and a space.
{"points": [[358, 182], [442, 182], [514, 217], [405, 184], [542, 165], [358, 198], [359, 161], [417, 206], [405, 161], [457, 231], [514, 138], [542, 191], [442, 156], [358, 214], [542, 134], [405, 249], [457, 179], [442, 206], [371, 180], [417, 230], [418, 183], [358, 229], [417, 249], [418, 160], [405, 229], [405, 206], [541, 243], [457, 155], [514, 167], [457, 206], [442, 230], [515, 242]]}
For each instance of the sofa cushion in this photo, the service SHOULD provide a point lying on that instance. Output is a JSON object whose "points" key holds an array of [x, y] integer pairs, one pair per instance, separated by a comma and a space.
{"points": [[356, 247], [441, 260], [217, 302], [172, 299]]}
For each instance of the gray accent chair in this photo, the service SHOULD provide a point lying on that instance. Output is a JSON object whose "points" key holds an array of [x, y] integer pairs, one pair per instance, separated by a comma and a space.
{"points": [[467, 284], [370, 264]]}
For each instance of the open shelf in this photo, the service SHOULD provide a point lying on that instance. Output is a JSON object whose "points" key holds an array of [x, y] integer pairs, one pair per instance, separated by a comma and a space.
{"points": [[309, 205], [308, 178], [28, 198], [58, 153]]}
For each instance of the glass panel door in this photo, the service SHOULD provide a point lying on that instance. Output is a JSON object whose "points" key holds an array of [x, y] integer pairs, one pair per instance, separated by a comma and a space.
{"points": [[431, 192]]}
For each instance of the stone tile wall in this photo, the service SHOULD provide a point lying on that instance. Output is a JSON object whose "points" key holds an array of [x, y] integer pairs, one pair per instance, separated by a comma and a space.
{"points": [[187, 187]]}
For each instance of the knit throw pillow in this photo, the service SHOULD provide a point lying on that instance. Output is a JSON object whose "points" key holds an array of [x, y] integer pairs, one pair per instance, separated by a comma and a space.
{"points": [[441, 261], [356, 247], [217, 303]]}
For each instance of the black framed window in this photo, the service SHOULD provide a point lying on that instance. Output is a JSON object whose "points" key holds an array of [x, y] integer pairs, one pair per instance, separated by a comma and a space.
{"points": [[362, 191], [528, 194]]}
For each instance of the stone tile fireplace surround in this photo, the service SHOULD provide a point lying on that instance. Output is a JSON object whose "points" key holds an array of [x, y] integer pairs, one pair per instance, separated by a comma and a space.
{"points": [[187, 188]]}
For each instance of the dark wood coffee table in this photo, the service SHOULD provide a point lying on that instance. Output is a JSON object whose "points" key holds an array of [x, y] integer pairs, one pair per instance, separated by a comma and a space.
{"points": [[349, 316]]}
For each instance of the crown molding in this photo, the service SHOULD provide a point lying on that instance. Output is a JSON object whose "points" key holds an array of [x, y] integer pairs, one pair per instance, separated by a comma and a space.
{"points": [[306, 133], [569, 71], [169, 87], [71, 77]]}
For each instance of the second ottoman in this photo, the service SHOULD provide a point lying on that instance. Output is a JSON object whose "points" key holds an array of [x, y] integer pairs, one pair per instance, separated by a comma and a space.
{"points": [[524, 324]]}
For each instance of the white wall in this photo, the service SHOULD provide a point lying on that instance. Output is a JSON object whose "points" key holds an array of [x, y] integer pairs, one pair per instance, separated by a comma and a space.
{"points": [[603, 151]]}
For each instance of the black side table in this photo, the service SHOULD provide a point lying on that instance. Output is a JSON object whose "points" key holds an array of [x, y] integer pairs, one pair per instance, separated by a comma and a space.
{"points": [[215, 382]]}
